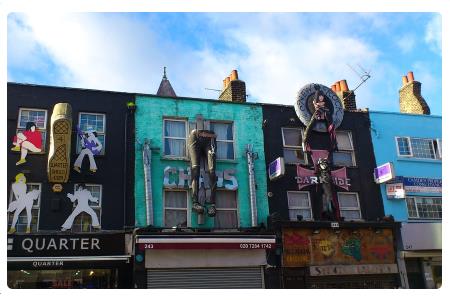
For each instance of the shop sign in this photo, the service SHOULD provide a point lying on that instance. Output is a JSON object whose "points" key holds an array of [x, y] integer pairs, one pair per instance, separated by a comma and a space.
{"points": [[66, 245], [181, 177], [325, 246], [422, 185], [307, 177], [395, 190], [276, 168], [353, 269], [384, 173], [47, 264]]}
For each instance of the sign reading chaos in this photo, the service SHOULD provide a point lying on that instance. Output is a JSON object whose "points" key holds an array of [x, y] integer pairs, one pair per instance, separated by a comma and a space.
{"points": [[181, 177]]}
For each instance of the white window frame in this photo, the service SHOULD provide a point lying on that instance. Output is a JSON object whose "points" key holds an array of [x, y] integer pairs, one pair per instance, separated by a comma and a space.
{"points": [[293, 147], [301, 207], [437, 152], [417, 210], [187, 209], [351, 209], [228, 141], [103, 151], [230, 209], [43, 130], [186, 127], [35, 206], [95, 206], [351, 151]]}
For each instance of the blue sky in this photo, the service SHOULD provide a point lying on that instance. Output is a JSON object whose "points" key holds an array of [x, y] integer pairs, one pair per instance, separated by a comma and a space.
{"points": [[275, 53]]}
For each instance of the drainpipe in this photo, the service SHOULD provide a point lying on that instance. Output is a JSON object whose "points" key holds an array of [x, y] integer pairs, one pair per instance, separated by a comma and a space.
{"points": [[147, 159], [251, 156]]}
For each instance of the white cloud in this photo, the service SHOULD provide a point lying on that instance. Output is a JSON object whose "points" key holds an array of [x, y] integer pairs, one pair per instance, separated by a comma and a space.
{"points": [[406, 43], [433, 34]]}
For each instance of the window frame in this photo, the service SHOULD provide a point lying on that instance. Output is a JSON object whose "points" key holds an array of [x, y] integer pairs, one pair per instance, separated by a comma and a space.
{"points": [[415, 197], [351, 151], [350, 209], [300, 207], [38, 206], [439, 148], [186, 134], [187, 209], [409, 146], [238, 222], [233, 141], [97, 206], [292, 147], [103, 151], [42, 130]]}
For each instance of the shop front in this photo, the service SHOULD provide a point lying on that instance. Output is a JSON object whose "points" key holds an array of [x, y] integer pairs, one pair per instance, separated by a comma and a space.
{"points": [[69, 261], [203, 260], [339, 257]]}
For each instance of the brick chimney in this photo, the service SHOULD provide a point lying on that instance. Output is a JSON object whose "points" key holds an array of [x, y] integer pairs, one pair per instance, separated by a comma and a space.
{"points": [[233, 89], [411, 100], [347, 97]]}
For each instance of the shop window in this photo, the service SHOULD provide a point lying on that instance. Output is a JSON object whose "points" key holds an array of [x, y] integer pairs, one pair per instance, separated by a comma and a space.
{"points": [[345, 156], [93, 121], [292, 146], [299, 204], [419, 147], [224, 140], [349, 206], [22, 221], [175, 138], [424, 207], [83, 222], [38, 117], [175, 209], [226, 206]]}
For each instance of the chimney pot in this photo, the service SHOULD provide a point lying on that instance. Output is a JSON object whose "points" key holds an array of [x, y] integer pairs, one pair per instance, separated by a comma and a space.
{"points": [[227, 82], [343, 85], [404, 80], [234, 75], [410, 76], [338, 86], [224, 84], [333, 88]]}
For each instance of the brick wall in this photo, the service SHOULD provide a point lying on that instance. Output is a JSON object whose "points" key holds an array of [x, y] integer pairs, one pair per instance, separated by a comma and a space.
{"points": [[411, 100]]}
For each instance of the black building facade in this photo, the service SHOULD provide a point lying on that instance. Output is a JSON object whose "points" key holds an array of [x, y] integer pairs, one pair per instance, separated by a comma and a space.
{"points": [[70, 192], [355, 251]]}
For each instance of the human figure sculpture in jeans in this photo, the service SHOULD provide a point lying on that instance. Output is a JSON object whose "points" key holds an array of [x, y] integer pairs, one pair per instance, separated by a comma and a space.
{"points": [[202, 143]]}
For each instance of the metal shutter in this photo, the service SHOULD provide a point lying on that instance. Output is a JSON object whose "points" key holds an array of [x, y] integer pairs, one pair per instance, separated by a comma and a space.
{"points": [[206, 278]]}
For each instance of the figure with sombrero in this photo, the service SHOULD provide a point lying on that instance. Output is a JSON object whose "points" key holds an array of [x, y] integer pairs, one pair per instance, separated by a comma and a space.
{"points": [[90, 146]]}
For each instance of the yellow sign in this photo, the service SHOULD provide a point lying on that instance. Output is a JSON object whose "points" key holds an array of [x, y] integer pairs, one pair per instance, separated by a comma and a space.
{"points": [[57, 188], [58, 167]]}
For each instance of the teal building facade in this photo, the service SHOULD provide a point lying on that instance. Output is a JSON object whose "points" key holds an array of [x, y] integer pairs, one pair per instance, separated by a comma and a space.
{"points": [[165, 122]]}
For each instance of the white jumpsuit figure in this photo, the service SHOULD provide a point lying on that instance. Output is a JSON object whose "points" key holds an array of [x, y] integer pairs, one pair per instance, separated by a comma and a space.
{"points": [[91, 146], [83, 196], [23, 201]]}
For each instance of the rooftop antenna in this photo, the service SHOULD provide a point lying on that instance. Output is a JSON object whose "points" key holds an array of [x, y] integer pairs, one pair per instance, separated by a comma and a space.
{"points": [[364, 76]]}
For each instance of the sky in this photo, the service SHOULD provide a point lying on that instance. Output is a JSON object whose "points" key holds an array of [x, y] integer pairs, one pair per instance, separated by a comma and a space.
{"points": [[276, 54]]}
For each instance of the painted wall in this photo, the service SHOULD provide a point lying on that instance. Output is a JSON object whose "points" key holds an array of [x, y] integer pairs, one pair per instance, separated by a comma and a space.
{"points": [[385, 126], [361, 178], [247, 120]]}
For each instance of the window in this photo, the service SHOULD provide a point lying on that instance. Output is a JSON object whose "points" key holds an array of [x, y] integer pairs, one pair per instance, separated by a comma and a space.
{"points": [[225, 139], [292, 146], [39, 117], [349, 206], [22, 221], [345, 156], [419, 147], [175, 209], [299, 204], [226, 206], [175, 138], [424, 207], [83, 222], [95, 122]]}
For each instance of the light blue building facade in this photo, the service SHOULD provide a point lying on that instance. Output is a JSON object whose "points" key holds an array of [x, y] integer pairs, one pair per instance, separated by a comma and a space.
{"points": [[412, 143]]}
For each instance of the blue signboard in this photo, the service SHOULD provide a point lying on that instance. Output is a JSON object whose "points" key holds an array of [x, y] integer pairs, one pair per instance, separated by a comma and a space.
{"points": [[422, 185]]}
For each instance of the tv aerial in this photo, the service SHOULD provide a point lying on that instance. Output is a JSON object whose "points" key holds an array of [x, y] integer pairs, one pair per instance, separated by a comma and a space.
{"points": [[363, 75]]}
